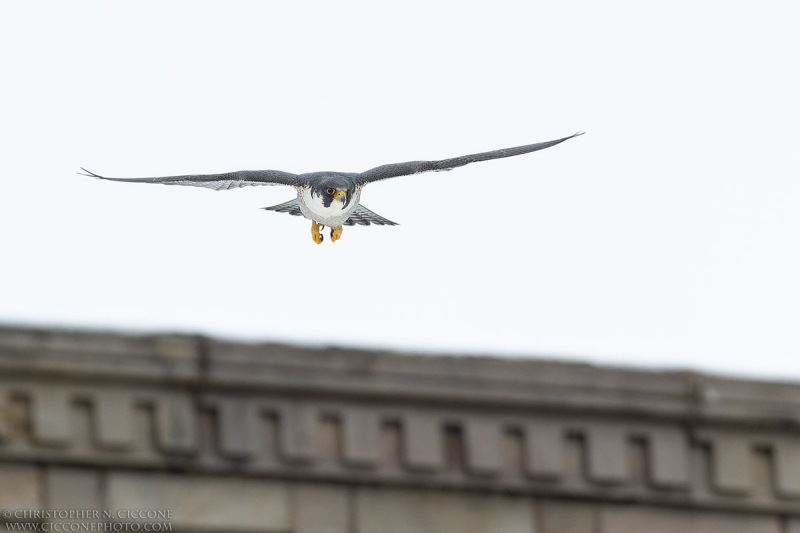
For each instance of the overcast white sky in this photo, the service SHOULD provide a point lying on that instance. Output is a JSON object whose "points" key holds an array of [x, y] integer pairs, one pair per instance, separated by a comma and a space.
{"points": [[665, 237]]}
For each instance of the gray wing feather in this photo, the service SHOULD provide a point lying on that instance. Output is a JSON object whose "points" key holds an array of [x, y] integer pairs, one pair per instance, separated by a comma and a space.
{"points": [[364, 217], [415, 167], [217, 182]]}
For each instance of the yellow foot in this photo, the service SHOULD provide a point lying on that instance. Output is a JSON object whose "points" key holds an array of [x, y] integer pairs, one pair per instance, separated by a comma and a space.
{"points": [[336, 234], [315, 234]]}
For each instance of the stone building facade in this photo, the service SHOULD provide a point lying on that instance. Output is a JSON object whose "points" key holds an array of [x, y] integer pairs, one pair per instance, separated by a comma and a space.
{"points": [[211, 436]]}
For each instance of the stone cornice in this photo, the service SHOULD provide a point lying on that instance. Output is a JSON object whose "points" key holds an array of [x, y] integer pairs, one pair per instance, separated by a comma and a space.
{"points": [[168, 401]]}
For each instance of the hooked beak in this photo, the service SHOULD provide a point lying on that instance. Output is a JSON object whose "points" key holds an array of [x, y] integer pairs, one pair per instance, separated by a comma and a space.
{"points": [[340, 195]]}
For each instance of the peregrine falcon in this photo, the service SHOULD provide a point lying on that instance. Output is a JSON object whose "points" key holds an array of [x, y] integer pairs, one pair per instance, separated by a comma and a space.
{"points": [[327, 198]]}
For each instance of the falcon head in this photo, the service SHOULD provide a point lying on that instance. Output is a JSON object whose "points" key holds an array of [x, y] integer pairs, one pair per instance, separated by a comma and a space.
{"points": [[333, 191]]}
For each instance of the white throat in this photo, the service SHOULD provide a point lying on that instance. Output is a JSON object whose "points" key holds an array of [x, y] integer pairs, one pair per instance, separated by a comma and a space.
{"points": [[333, 215]]}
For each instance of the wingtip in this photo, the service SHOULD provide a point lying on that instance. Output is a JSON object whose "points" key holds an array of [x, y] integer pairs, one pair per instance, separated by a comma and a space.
{"points": [[88, 173], [579, 134]]}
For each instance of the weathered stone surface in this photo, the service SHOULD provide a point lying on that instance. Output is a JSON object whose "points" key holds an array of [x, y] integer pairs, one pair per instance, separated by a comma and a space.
{"points": [[463, 426], [298, 426], [425, 511], [73, 488], [447, 378], [176, 423], [786, 465], [558, 516], [792, 526], [738, 399], [114, 418], [220, 503], [19, 487], [361, 437], [51, 416], [237, 422], [423, 444], [483, 440], [638, 519], [6, 417], [608, 453], [544, 449], [731, 462], [668, 457], [320, 508], [62, 352]]}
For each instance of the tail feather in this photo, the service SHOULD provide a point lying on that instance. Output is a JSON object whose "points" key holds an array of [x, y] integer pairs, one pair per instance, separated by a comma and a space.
{"points": [[360, 215], [292, 207], [364, 217]]}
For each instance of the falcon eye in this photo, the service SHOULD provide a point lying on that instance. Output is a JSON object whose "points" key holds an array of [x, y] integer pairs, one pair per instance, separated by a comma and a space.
{"points": [[330, 191]]}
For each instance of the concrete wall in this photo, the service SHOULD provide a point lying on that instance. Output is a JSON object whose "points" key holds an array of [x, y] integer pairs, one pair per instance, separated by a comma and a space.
{"points": [[273, 438]]}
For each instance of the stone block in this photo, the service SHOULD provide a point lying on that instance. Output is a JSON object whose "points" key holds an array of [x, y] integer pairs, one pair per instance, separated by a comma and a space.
{"points": [[113, 411], [426, 511], [237, 423], [19, 487], [792, 526], [320, 508], [731, 462], [5, 418], [567, 517], [51, 416], [639, 518], [483, 443], [298, 427], [205, 502], [73, 488], [176, 423], [544, 449], [668, 457], [361, 436], [608, 453], [423, 443], [786, 466]]}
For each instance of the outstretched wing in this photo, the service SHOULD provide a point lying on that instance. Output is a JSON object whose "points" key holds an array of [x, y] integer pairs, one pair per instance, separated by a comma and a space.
{"points": [[218, 182], [415, 167], [364, 217]]}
